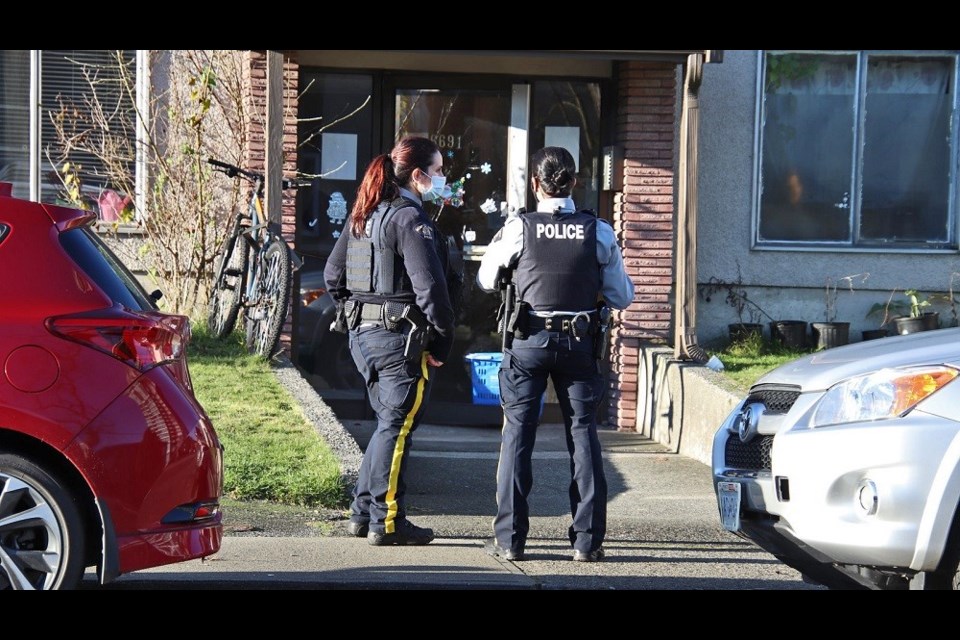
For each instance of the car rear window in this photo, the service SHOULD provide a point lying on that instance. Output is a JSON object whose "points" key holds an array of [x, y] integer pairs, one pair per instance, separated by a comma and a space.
{"points": [[3, 231], [102, 265]]}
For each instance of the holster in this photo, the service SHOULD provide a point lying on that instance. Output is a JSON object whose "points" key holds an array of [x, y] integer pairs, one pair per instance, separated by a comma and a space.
{"points": [[347, 316], [420, 335], [397, 316], [508, 299], [518, 323], [600, 333]]}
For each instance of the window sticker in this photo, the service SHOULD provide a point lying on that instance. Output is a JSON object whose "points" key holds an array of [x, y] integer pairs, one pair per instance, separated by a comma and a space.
{"points": [[337, 211]]}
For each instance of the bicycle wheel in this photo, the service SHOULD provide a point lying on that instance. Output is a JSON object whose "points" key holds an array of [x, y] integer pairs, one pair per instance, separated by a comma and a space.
{"points": [[271, 298], [227, 294]]}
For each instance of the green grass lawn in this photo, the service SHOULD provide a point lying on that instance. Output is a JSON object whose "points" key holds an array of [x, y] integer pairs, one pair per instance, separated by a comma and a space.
{"points": [[746, 361], [271, 451]]}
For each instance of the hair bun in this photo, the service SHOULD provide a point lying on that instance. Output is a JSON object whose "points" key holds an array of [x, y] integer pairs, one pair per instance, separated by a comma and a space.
{"points": [[561, 178]]}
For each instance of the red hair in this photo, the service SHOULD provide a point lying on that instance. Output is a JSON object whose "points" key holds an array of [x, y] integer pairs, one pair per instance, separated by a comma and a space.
{"points": [[386, 174]]}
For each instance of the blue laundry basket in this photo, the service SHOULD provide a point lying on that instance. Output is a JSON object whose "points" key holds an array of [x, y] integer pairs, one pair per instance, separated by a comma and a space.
{"points": [[484, 368], [485, 378]]}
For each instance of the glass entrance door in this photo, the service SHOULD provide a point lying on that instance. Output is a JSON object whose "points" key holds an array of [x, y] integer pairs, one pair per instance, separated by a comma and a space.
{"points": [[471, 126], [486, 128]]}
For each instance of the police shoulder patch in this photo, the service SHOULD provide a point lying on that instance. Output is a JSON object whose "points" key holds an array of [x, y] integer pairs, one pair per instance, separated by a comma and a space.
{"points": [[425, 231]]}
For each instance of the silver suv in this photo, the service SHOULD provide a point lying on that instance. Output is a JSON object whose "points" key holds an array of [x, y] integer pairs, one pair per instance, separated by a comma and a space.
{"points": [[845, 464]]}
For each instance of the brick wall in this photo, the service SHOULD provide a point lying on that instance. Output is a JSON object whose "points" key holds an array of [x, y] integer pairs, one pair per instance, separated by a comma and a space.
{"points": [[255, 151], [644, 220]]}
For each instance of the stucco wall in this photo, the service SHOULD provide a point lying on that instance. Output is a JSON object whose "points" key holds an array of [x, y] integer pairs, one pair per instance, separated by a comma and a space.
{"points": [[789, 284]]}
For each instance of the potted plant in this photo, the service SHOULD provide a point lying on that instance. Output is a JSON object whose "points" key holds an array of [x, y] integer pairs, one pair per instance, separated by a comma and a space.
{"points": [[918, 320], [832, 333], [908, 316], [749, 313]]}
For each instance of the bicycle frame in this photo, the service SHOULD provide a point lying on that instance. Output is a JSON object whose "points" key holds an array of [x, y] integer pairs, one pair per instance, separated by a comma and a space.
{"points": [[257, 256], [253, 238]]}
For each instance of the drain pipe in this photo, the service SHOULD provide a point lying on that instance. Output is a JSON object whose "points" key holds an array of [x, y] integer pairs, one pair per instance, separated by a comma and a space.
{"points": [[686, 346]]}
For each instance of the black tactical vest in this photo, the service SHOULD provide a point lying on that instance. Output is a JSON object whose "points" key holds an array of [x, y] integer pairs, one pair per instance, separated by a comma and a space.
{"points": [[558, 268], [373, 269]]}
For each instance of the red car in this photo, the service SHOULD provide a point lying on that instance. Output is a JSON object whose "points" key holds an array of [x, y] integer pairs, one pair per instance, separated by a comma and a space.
{"points": [[107, 460]]}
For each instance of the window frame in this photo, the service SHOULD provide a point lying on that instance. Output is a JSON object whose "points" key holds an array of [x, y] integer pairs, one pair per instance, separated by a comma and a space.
{"points": [[855, 244], [36, 157]]}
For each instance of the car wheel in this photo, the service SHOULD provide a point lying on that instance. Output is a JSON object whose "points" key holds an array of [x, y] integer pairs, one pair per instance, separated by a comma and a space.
{"points": [[946, 578], [947, 575], [41, 532]]}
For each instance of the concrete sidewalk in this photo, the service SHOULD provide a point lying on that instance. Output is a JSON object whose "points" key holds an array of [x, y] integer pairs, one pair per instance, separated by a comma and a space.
{"points": [[336, 563], [663, 530]]}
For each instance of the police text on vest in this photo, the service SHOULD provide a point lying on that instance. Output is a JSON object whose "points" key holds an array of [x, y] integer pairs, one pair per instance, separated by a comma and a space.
{"points": [[560, 231]]}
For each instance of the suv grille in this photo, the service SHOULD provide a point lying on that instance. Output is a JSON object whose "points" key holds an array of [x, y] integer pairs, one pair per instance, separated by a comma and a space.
{"points": [[775, 399], [752, 456]]}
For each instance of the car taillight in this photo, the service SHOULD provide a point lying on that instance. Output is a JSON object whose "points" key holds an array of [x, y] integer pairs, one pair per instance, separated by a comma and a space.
{"points": [[142, 340]]}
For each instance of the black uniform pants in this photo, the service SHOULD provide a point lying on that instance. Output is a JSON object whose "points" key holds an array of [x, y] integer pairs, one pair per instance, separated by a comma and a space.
{"points": [[523, 379], [398, 390]]}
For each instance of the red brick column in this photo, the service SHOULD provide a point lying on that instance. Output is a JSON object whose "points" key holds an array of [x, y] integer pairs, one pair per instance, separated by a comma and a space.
{"points": [[643, 217], [255, 151]]}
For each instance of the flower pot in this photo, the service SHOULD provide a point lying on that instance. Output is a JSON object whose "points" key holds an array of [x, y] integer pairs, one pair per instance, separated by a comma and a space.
{"points": [[827, 335], [874, 334], [740, 331], [909, 324], [931, 320], [792, 334]]}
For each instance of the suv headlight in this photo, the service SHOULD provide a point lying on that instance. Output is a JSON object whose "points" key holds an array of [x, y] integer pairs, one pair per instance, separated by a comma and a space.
{"points": [[889, 393]]}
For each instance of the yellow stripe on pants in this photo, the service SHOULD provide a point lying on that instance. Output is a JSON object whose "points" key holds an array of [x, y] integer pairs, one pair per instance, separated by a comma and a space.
{"points": [[390, 521]]}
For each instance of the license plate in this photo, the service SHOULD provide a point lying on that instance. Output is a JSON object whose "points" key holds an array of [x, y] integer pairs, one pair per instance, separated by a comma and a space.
{"points": [[729, 496]]}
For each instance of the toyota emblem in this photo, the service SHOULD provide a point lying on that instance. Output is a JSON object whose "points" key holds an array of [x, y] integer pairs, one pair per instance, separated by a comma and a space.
{"points": [[747, 423]]}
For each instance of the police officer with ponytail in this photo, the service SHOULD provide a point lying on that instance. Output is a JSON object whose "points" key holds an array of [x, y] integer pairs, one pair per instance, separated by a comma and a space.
{"points": [[387, 272], [567, 271]]}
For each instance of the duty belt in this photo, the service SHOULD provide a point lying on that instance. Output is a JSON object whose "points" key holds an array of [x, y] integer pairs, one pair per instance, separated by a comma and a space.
{"points": [[396, 317], [578, 325], [392, 316]]}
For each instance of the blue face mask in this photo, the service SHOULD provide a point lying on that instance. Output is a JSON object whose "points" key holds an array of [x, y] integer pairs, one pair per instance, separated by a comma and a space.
{"points": [[436, 190]]}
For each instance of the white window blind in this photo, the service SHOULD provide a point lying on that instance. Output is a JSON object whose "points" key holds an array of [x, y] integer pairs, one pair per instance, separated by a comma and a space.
{"points": [[66, 77], [15, 120]]}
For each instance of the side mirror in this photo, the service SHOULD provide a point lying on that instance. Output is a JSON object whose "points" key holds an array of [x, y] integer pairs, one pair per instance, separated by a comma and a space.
{"points": [[156, 294]]}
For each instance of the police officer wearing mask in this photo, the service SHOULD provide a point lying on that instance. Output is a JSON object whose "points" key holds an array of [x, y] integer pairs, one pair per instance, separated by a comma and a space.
{"points": [[387, 273], [563, 261]]}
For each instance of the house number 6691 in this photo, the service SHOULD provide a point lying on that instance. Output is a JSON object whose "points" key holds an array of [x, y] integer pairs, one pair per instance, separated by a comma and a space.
{"points": [[447, 140]]}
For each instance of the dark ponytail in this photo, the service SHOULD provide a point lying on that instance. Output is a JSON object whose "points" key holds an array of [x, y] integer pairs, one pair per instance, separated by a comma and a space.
{"points": [[386, 174], [555, 170]]}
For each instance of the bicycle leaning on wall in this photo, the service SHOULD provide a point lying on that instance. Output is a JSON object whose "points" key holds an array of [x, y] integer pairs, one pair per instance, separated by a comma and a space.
{"points": [[254, 272]]}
